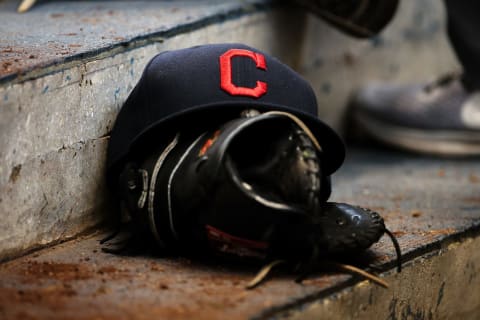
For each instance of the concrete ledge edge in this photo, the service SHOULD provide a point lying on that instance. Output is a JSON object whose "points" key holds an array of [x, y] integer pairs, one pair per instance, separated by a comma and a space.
{"points": [[134, 43], [388, 268]]}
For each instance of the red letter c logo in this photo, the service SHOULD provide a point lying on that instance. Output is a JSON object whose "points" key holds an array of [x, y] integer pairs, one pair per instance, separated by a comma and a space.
{"points": [[226, 73]]}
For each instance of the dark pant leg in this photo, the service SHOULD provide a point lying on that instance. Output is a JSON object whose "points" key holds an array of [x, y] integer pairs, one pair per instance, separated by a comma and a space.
{"points": [[464, 33]]}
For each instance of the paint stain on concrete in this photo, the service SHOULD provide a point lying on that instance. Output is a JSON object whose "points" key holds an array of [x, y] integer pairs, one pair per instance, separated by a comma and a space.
{"points": [[117, 92], [392, 308], [377, 41], [318, 62], [132, 61], [440, 294], [15, 173], [326, 87]]}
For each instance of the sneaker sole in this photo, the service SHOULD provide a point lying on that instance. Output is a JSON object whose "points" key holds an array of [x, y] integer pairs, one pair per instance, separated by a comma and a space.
{"points": [[446, 143]]}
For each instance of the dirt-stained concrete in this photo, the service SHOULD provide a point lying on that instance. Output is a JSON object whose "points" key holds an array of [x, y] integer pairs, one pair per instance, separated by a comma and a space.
{"points": [[446, 285], [427, 211], [76, 280]]}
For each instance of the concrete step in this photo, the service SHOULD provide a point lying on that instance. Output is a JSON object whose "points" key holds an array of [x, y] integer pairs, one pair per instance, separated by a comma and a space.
{"points": [[65, 69], [67, 66], [431, 205]]}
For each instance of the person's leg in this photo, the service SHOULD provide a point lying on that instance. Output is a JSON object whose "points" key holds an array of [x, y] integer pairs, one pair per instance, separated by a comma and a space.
{"points": [[464, 32], [442, 117]]}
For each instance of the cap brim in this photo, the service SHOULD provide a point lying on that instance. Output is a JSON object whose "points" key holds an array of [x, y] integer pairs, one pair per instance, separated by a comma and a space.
{"points": [[205, 116]]}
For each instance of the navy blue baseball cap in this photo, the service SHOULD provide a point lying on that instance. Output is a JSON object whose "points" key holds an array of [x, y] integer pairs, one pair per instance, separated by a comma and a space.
{"points": [[207, 85]]}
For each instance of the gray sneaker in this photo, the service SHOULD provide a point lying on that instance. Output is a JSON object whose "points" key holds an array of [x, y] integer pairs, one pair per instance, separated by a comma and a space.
{"points": [[440, 118]]}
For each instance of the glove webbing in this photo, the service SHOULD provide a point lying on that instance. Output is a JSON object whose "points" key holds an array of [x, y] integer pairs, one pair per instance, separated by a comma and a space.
{"points": [[301, 124]]}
